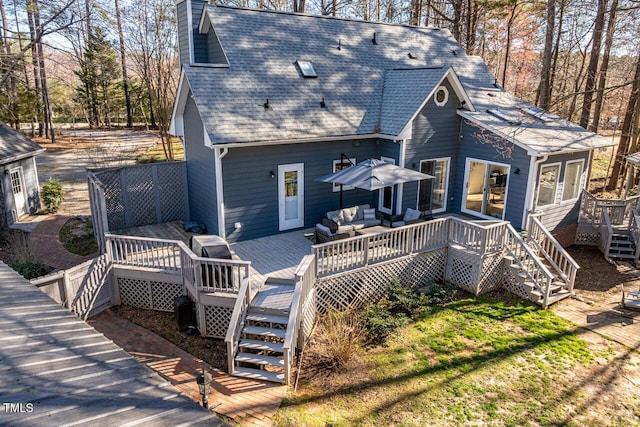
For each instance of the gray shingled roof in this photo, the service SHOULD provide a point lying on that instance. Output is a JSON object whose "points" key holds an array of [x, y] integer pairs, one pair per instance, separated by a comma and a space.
{"points": [[14, 145], [71, 374], [367, 88]]}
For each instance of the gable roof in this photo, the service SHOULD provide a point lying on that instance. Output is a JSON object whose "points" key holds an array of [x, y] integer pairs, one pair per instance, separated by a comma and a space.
{"points": [[368, 89], [15, 146]]}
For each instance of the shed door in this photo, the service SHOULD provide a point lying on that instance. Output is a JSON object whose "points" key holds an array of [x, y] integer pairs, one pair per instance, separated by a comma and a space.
{"points": [[17, 187], [291, 196]]}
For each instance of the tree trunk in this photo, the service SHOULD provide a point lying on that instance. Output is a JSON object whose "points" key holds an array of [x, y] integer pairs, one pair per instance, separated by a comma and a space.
{"points": [[604, 67], [34, 59], [625, 134], [556, 51], [13, 93], [512, 18], [125, 80], [46, 105], [593, 65], [544, 89]]}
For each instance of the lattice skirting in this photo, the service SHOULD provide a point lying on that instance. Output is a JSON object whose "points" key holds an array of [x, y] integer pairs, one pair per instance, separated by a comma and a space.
{"points": [[308, 315], [587, 235], [216, 320], [361, 287], [514, 286], [491, 273], [148, 294]]}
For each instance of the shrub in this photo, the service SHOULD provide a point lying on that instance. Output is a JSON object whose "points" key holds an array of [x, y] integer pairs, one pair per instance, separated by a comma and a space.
{"points": [[338, 336], [30, 269], [380, 322], [405, 299], [52, 195], [437, 293]]}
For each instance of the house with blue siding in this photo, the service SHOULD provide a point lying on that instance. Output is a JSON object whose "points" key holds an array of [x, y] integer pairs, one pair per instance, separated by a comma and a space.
{"points": [[19, 186], [269, 101]]}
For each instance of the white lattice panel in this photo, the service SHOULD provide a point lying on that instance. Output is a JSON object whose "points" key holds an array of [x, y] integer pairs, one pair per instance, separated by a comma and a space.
{"points": [[172, 187], [587, 235], [308, 315], [359, 288], [217, 321], [492, 273], [140, 197], [163, 294], [134, 292], [463, 269], [513, 285]]}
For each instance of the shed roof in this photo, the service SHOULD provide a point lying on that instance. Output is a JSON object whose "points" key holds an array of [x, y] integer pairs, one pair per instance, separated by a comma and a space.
{"points": [[15, 146], [368, 89], [72, 374]]}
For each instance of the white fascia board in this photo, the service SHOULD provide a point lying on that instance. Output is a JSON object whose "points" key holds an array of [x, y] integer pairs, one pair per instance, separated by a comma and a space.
{"points": [[306, 140], [176, 127], [457, 88], [207, 140], [205, 22], [530, 151]]}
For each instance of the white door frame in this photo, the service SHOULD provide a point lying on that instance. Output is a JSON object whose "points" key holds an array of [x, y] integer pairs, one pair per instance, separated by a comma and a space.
{"points": [[21, 206], [283, 222], [446, 183], [465, 187], [381, 191]]}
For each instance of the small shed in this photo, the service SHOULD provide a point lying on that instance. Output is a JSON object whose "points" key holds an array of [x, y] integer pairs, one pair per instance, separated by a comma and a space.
{"points": [[19, 186]]}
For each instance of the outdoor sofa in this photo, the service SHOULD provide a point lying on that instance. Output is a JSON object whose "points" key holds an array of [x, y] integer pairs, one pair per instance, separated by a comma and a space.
{"points": [[411, 216], [343, 223]]}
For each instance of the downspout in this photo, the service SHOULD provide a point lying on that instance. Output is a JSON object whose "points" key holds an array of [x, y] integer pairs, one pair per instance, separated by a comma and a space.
{"points": [[219, 154], [532, 188]]}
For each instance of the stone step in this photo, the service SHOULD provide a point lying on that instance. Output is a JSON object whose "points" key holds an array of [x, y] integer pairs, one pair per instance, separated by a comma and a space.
{"points": [[259, 359], [267, 318], [264, 332], [258, 374], [276, 347]]}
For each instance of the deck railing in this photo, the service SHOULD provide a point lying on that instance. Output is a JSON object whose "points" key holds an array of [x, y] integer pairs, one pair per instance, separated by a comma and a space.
{"points": [[536, 272], [619, 209], [606, 232], [553, 252], [199, 274], [236, 322], [360, 251], [483, 239], [305, 278]]}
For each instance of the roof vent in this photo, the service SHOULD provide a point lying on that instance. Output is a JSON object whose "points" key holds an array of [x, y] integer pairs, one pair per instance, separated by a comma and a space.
{"points": [[322, 103], [412, 56], [373, 40], [454, 53], [306, 69], [339, 44], [267, 106], [495, 82]]}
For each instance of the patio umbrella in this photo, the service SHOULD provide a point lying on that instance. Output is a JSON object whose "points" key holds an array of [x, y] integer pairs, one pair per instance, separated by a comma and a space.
{"points": [[373, 174]]}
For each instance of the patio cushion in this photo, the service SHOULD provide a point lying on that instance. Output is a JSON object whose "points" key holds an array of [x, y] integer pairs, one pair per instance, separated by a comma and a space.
{"points": [[411, 215], [331, 214], [338, 218], [397, 223], [369, 214], [350, 214], [360, 212], [345, 228], [358, 225], [324, 229]]}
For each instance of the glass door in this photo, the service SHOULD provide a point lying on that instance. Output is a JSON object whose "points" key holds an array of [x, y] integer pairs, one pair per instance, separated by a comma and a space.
{"points": [[291, 196], [486, 186]]}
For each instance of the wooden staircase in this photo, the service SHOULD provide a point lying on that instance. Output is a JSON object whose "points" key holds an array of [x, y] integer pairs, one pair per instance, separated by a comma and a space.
{"points": [[622, 246], [558, 288], [260, 349]]}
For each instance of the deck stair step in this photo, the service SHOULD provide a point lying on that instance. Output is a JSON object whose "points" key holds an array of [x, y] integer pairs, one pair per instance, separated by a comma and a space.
{"points": [[558, 296], [259, 374], [259, 359], [264, 332], [258, 317], [275, 347]]}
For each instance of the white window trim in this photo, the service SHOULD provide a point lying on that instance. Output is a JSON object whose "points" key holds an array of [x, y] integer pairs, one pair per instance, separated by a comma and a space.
{"points": [[446, 96], [580, 181], [555, 195], [381, 191], [336, 187], [446, 183]]}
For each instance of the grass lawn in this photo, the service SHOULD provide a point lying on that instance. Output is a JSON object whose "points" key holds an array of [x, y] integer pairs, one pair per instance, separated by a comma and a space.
{"points": [[157, 154], [475, 361]]}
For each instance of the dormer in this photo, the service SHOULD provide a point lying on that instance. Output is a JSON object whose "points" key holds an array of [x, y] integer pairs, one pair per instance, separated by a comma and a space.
{"points": [[197, 40]]}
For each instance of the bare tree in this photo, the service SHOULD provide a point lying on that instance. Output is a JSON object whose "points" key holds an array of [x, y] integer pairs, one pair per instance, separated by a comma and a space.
{"points": [[604, 67], [123, 60], [544, 89], [592, 69]]}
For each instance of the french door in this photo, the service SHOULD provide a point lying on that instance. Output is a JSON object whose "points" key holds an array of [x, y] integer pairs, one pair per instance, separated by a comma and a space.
{"points": [[486, 185], [291, 196]]}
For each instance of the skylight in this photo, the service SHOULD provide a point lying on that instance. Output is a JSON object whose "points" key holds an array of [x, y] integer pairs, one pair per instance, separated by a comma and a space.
{"points": [[307, 70], [505, 116], [538, 113]]}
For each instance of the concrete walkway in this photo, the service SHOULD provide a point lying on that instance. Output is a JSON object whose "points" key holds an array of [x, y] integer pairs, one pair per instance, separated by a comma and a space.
{"points": [[247, 402]]}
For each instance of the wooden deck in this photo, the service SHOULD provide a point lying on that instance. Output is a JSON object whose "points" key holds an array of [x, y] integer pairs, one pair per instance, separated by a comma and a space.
{"points": [[166, 231], [58, 370]]}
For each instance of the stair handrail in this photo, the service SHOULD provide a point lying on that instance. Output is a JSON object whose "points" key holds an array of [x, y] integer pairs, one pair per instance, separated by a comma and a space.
{"points": [[606, 231], [236, 322], [553, 251], [634, 230], [305, 277], [518, 249]]}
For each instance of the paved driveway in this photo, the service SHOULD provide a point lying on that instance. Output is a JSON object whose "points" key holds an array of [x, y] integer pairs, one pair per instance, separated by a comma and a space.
{"points": [[89, 149]]}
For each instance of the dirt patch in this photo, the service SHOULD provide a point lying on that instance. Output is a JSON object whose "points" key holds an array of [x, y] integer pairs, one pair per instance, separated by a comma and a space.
{"points": [[212, 351], [77, 236]]}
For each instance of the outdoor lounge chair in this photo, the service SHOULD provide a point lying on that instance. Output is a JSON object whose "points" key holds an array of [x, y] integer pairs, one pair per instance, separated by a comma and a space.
{"points": [[411, 216], [630, 299]]}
